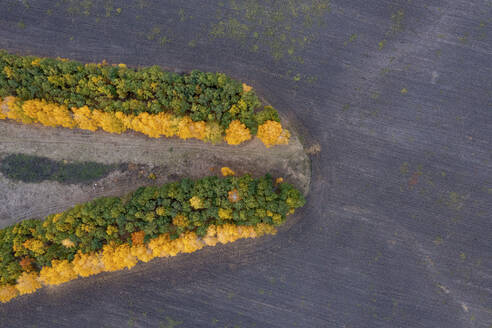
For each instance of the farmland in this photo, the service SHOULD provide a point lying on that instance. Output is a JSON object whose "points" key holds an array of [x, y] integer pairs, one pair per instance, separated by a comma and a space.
{"points": [[391, 100]]}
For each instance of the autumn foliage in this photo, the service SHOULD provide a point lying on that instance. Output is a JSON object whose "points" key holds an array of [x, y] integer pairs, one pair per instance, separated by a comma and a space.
{"points": [[114, 98], [152, 125], [109, 233], [226, 171], [271, 133], [237, 133]]}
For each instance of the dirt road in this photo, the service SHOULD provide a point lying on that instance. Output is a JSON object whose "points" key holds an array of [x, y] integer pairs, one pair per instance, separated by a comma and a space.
{"points": [[167, 158]]}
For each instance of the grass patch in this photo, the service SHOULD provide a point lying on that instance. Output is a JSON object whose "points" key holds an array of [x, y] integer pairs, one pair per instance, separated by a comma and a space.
{"points": [[29, 168]]}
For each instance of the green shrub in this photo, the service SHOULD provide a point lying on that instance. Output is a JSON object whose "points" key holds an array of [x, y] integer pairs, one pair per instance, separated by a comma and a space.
{"points": [[29, 168]]}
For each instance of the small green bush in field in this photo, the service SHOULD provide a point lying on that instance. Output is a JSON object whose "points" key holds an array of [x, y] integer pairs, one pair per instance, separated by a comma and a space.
{"points": [[29, 168]]}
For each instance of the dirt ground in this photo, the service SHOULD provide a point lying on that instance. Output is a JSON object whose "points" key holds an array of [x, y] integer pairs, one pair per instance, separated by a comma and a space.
{"points": [[168, 159]]}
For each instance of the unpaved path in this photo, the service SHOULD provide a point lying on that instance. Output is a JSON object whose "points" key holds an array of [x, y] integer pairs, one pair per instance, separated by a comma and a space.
{"points": [[168, 158]]}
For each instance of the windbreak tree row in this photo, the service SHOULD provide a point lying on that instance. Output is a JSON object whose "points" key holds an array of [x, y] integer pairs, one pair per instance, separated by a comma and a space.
{"points": [[121, 95], [112, 233]]}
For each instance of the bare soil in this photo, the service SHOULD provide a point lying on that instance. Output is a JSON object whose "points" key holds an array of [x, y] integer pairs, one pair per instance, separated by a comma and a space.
{"points": [[168, 159], [385, 90]]}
